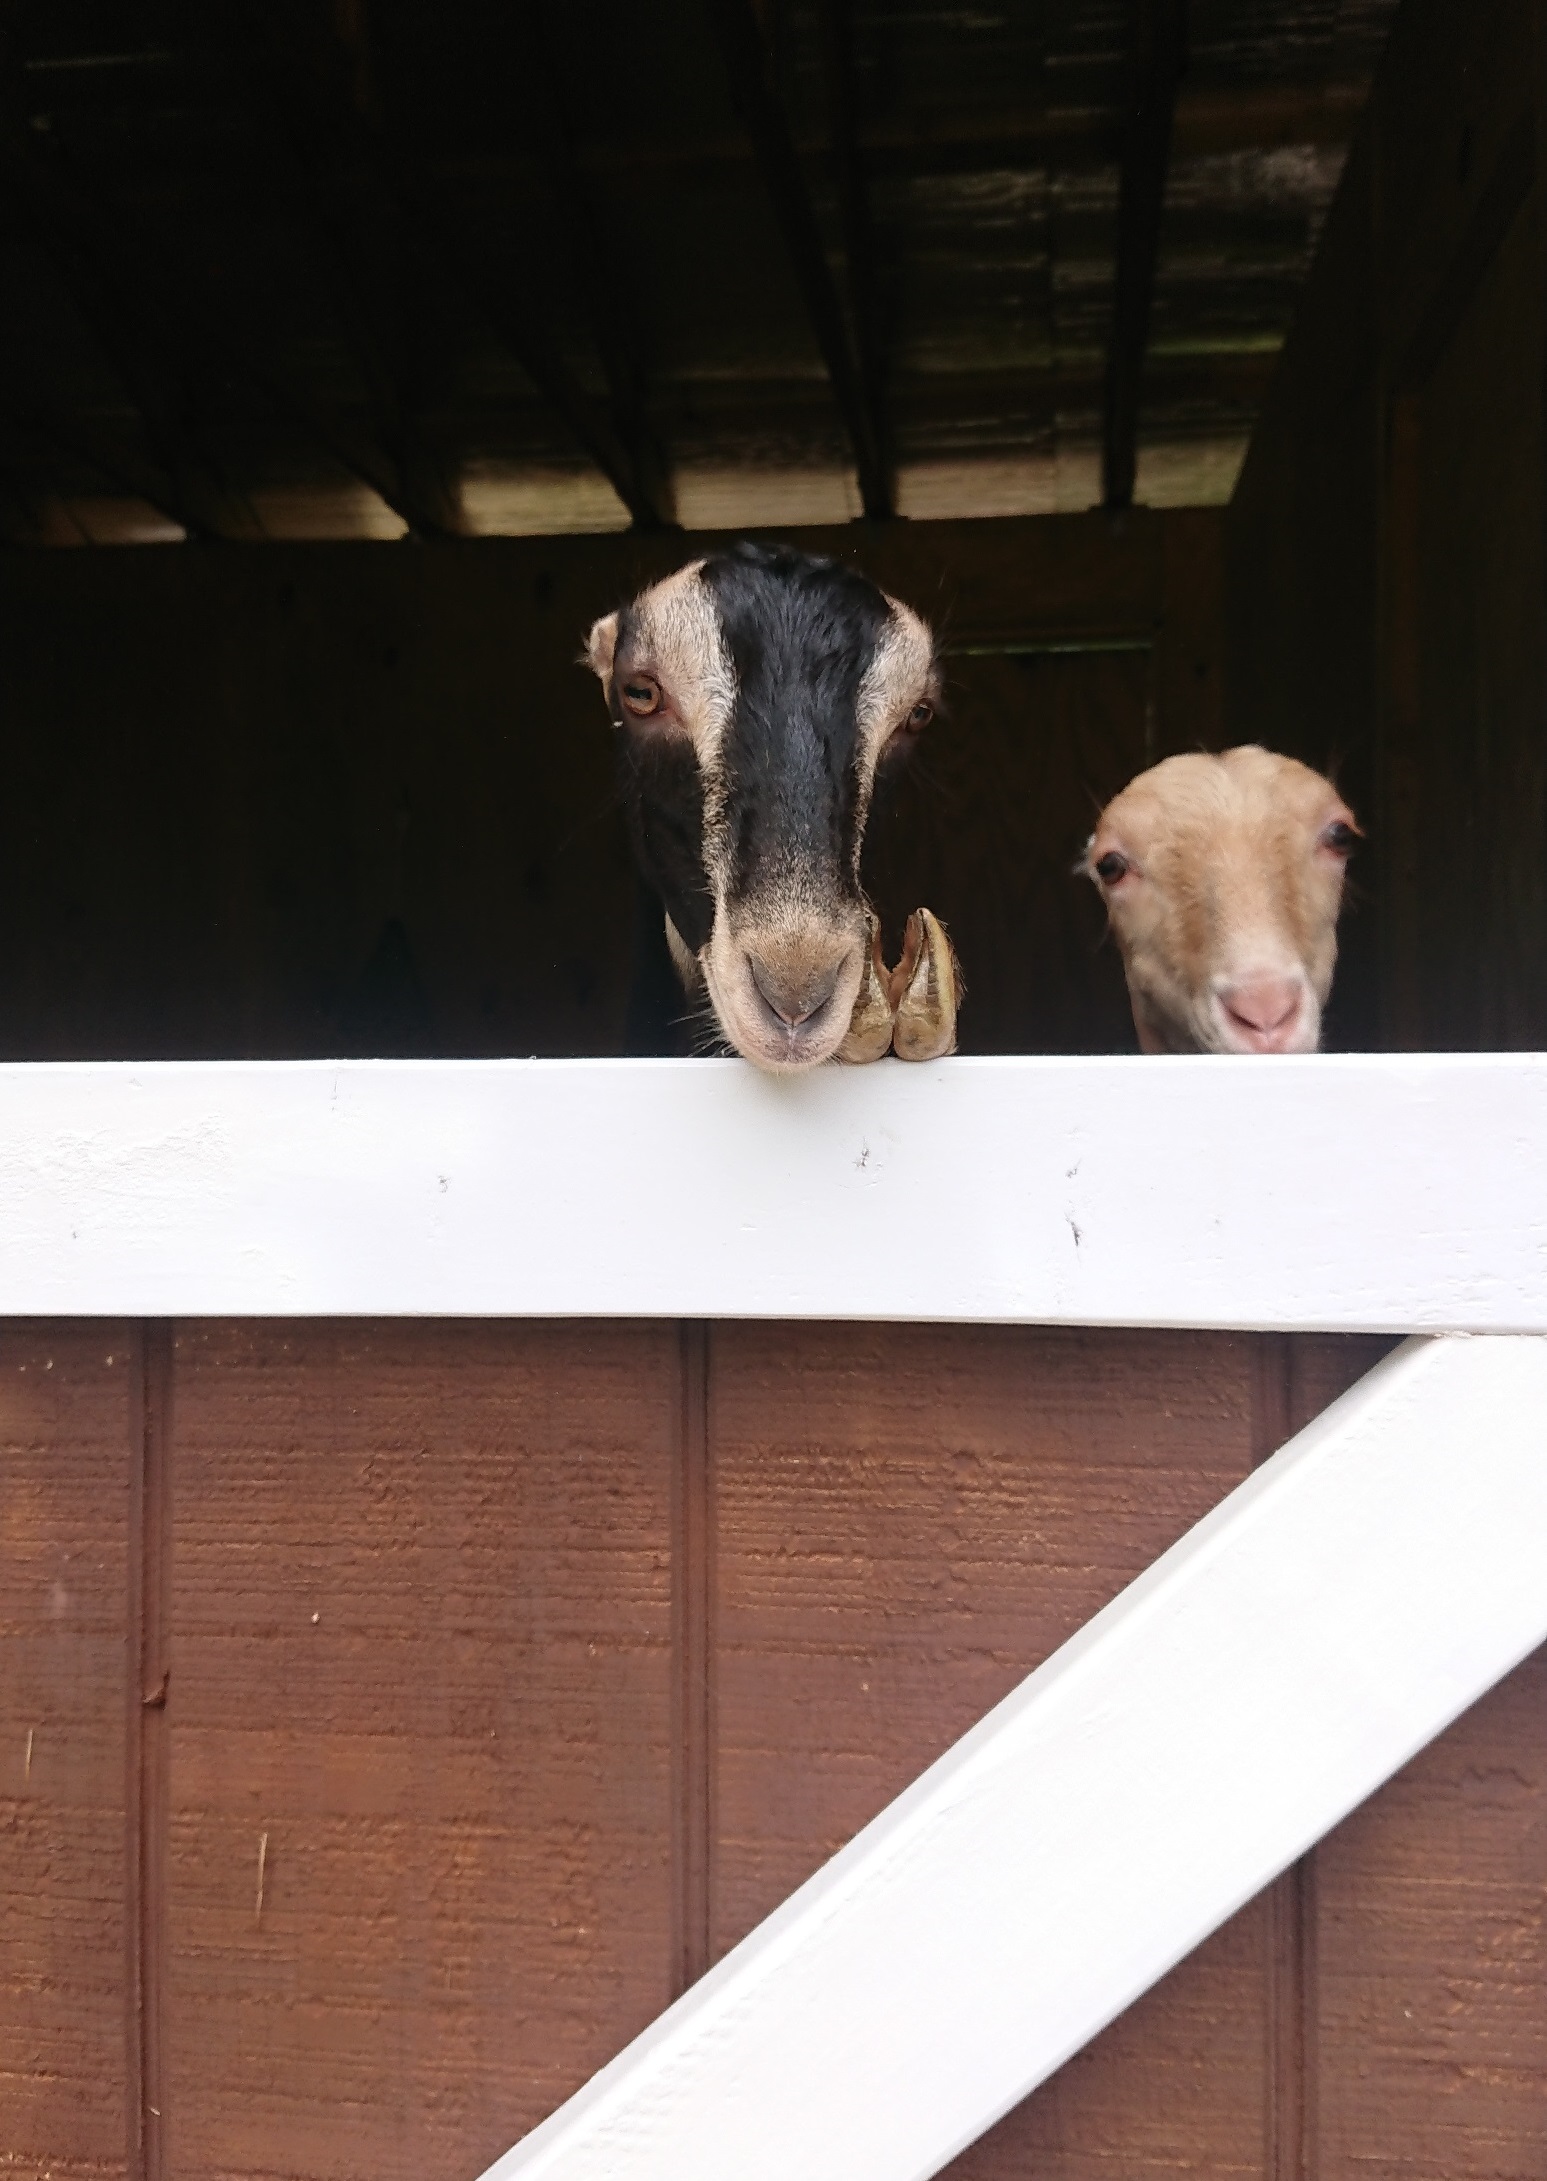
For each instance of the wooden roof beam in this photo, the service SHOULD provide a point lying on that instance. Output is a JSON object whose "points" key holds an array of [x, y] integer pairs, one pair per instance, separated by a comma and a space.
{"points": [[377, 148], [777, 162], [592, 248], [409, 479], [191, 492], [75, 439], [160, 343], [1019, 134], [858, 229], [1160, 46]]}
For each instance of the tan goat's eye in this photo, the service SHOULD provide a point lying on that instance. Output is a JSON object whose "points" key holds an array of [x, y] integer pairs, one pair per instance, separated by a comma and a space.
{"points": [[920, 716], [1340, 838], [1111, 867], [641, 694]]}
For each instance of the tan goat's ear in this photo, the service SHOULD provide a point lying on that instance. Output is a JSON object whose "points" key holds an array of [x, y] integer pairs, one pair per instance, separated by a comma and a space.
{"points": [[599, 648]]}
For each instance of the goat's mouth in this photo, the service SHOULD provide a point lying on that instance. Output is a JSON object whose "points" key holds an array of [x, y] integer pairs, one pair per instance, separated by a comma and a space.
{"points": [[789, 1009]]}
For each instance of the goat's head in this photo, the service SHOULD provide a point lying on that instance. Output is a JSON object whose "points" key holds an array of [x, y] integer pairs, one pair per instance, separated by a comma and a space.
{"points": [[1223, 877], [755, 692]]}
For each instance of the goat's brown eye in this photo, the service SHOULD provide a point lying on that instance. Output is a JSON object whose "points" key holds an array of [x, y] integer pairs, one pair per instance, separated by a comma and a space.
{"points": [[641, 695], [1111, 867], [1340, 838], [920, 716]]}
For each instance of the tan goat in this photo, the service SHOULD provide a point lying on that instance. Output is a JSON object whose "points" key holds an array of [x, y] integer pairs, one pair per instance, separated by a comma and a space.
{"points": [[1223, 877]]}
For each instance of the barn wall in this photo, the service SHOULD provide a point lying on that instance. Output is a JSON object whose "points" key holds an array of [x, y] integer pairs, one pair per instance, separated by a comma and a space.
{"points": [[1387, 544], [359, 799], [491, 1679]]}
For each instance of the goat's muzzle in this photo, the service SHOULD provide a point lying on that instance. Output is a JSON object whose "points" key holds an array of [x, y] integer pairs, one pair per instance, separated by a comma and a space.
{"points": [[785, 997]]}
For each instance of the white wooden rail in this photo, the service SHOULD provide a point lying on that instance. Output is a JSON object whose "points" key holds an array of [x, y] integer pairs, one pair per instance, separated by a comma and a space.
{"points": [[1263, 1677], [1390, 1194]]}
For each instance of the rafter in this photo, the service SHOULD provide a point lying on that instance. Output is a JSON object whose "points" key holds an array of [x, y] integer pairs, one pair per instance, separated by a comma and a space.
{"points": [[73, 437], [166, 339], [1158, 59], [857, 227], [590, 250], [1015, 135], [774, 151], [191, 491], [409, 480], [371, 144]]}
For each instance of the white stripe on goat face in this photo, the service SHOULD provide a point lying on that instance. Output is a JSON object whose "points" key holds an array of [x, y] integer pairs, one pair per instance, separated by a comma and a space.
{"points": [[757, 690]]}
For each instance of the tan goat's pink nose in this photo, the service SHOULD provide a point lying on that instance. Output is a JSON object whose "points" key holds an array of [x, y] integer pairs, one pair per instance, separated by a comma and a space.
{"points": [[1267, 1006]]}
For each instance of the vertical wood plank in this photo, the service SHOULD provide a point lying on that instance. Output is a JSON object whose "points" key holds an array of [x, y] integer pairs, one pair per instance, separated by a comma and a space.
{"points": [[421, 1630], [909, 1519], [1427, 2036], [692, 1552], [1294, 1377], [145, 1744], [66, 1457]]}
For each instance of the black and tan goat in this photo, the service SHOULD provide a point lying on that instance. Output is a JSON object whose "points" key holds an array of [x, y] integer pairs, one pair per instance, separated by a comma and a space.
{"points": [[755, 693]]}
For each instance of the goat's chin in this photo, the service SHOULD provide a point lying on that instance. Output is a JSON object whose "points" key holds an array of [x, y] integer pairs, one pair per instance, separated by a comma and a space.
{"points": [[1183, 1025], [1207, 1029]]}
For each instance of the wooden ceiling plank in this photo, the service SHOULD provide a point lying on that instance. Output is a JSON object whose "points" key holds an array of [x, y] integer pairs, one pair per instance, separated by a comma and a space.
{"points": [[774, 151], [1160, 46]]}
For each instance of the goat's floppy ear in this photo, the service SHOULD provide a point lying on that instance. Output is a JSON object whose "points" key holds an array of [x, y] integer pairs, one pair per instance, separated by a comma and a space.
{"points": [[599, 648]]}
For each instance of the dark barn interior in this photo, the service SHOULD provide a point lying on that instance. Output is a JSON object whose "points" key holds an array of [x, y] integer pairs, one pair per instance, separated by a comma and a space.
{"points": [[396, 1715], [550, 298]]}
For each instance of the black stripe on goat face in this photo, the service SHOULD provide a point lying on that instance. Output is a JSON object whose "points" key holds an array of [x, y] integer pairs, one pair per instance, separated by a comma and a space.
{"points": [[801, 635], [757, 691]]}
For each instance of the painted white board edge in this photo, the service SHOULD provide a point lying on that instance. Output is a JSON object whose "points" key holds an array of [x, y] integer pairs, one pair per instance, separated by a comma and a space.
{"points": [[1261, 1679], [1391, 1194]]}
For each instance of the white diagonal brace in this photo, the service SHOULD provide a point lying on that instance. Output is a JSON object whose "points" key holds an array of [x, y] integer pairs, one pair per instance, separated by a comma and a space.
{"points": [[1268, 1673]]}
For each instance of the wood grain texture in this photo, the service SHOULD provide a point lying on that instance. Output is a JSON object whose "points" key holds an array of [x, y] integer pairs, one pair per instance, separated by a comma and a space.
{"points": [[909, 1520], [692, 1636], [421, 1672], [147, 1789], [1431, 2051], [66, 1408], [619, 1631], [1296, 1376], [1424, 1933]]}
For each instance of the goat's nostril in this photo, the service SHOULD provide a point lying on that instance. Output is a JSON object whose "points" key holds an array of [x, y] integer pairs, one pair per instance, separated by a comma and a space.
{"points": [[793, 998]]}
